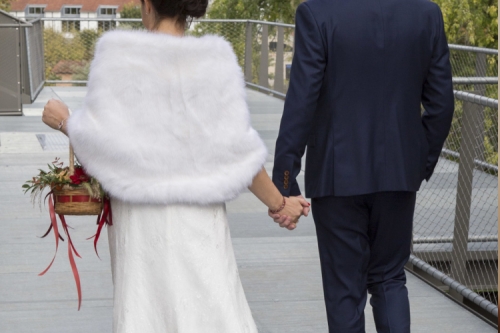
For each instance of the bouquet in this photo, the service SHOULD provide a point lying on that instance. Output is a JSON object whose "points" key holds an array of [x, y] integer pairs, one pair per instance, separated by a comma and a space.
{"points": [[59, 178], [72, 192]]}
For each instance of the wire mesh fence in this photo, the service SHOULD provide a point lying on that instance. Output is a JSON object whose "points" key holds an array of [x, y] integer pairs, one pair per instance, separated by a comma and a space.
{"points": [[471, 63], [455, 227]]}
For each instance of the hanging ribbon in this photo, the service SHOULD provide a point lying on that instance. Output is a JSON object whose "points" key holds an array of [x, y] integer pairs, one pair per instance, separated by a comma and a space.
{"points": [[71, 249], [104, 218], [53, 225]]}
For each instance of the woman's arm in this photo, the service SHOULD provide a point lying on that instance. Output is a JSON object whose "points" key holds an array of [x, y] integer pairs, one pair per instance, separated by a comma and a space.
{"points": [[264, 189], [55, 114]]}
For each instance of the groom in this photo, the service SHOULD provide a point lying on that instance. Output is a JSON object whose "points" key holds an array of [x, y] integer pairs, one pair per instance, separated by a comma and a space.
{"points": [[362, 69]]}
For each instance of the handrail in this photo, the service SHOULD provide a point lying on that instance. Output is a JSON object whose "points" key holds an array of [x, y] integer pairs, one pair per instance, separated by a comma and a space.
{"points": [[449, 239], [476, 99], [278, 24], [15, 25], [475, 80], [472, 49], [455, 285], [274, 92], [116, 19], [477, 163]]}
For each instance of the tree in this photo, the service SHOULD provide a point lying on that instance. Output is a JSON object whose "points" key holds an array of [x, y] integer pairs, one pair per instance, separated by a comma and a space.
{"points": [[58, 48], [5, 5], [131, 10], [265, 10], [471, 22]]}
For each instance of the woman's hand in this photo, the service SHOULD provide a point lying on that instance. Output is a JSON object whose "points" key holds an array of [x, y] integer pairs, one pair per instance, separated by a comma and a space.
{"points": [[289, 217], [264, 189], [54, 114]]}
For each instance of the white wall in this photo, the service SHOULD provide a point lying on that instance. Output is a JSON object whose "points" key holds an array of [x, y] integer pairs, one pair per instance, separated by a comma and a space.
{"points": [[57, 25]]}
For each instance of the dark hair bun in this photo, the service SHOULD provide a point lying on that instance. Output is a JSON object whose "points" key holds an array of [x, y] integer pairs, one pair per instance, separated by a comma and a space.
{"points": [[194, 8], [182, 9]]}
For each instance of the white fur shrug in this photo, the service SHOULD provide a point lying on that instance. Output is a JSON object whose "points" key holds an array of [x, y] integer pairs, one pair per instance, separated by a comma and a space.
{"points": [[165, 120]]}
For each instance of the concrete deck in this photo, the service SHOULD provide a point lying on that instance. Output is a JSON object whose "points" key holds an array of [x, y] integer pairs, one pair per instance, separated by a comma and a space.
{"points": [[279, 269]]}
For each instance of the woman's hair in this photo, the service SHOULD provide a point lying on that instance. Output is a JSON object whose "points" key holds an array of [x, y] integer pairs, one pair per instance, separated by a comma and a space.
{"points": [[182, 10]]}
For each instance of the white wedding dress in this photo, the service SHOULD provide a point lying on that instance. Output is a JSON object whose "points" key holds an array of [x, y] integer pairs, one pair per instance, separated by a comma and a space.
{"points": [[174, 271]]}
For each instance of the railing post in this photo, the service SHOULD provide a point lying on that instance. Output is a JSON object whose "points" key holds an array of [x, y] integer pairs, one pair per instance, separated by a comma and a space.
{"points": [[480, 89], [264, 59], [278, 73], [464, 192], [248, 53]]}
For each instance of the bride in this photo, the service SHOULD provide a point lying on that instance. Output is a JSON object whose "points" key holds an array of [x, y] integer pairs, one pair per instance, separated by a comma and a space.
{"points": [[166, 130]]}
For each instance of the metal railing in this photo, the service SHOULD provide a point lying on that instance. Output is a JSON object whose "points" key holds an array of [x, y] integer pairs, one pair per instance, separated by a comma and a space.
{"points": [[35, 56], [21, 63], [455, 225]]}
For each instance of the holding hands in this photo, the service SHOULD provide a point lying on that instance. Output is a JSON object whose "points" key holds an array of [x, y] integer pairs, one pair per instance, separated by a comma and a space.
{"points": [[289, 216], [285, 211]]}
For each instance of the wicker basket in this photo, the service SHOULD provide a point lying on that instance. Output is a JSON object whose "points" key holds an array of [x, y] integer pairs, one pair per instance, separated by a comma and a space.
{"points": [[75, 200]]}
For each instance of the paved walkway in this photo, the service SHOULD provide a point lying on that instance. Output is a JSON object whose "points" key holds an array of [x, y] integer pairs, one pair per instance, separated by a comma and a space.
{"points": [[279, 269]]}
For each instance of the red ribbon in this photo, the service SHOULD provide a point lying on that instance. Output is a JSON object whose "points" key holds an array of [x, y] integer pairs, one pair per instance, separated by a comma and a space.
{"points": [[71, 249], [104, 218], [56, 232]]}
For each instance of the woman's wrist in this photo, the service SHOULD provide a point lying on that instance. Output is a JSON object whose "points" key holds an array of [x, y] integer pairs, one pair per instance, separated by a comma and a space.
{"points": [[61, 124], [62, 127], [276, 208]]}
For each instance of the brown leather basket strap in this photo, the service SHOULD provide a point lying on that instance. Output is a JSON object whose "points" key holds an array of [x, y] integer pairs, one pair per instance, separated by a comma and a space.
{"points": [[71, 160]]}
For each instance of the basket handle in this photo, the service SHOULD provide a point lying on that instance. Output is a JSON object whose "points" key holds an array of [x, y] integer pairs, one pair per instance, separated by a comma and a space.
{"points": [[71, 160]]}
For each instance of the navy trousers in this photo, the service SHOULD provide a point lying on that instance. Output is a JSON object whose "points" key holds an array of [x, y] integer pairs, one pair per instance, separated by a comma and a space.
{"points": [[364, 242]]}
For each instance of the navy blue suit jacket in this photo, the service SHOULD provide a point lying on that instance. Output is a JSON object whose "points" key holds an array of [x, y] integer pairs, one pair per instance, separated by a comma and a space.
{"points": [[361, 71]]}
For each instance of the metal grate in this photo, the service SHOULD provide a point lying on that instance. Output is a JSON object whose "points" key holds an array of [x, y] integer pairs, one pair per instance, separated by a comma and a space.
{"points": [[53, 142]]}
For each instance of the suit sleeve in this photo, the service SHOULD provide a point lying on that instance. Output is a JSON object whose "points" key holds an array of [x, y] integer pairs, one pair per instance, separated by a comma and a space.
{"points": [[437, 98], [306, 78]]}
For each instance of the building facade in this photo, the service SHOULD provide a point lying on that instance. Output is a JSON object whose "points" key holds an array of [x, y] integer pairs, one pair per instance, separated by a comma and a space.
{"points": [[71, 12]]}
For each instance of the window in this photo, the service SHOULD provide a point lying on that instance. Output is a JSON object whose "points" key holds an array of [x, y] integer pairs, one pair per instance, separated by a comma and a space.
{"points": [[35, 11], [69, 26], [107, 11], [106, 25], [71, 11]]}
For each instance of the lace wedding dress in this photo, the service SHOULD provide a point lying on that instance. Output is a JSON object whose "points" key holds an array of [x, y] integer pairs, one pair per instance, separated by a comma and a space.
{"points": [[174, 271]]}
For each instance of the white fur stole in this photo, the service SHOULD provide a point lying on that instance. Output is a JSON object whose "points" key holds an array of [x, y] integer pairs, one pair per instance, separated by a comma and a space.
{"points": [[165, 120]]}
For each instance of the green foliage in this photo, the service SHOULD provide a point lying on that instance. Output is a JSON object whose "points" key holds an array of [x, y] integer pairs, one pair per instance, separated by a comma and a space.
{"points": [[265, 10], [88, 39], [131, 10], [487, 150], [57, 47], [79, 47], [235, 33], [5, 5], [81, 73], [471, 22], [58, 177], [491, 136]]}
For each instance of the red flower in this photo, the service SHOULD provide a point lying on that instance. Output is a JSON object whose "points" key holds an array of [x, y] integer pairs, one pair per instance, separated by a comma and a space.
{"points": [[79, 176]]}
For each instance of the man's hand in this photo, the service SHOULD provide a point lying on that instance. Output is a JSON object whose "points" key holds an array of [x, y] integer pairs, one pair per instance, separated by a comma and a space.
{"points": [[286, 219]]}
